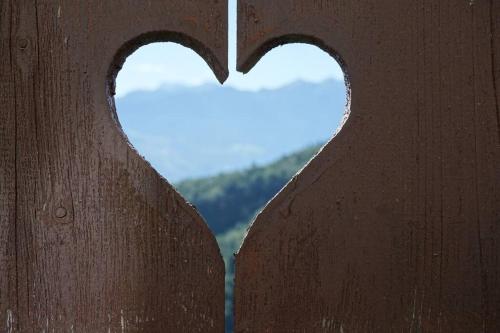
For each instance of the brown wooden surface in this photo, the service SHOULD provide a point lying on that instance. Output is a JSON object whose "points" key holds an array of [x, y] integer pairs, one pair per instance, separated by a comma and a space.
{"points": [[92, 239], [395, 226]]}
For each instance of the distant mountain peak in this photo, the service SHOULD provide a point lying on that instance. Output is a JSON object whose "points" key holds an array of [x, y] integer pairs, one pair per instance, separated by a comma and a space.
{"points": [[198, 131]]}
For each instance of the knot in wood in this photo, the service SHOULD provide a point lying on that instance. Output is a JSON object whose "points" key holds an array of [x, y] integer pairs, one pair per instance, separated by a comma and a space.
{"points": [[23, 43], [61, 212]]}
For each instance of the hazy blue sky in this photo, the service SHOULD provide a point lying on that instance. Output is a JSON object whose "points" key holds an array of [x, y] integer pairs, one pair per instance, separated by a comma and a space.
{"points": [[166, 63]]}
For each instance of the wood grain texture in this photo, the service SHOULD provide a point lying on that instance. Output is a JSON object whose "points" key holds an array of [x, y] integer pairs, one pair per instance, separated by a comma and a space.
{"points": [[395, 225], [7, 175], [92, 239]]}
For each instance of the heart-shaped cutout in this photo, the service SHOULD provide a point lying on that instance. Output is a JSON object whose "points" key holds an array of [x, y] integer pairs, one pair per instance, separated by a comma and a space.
{"points": [[227, 150]]}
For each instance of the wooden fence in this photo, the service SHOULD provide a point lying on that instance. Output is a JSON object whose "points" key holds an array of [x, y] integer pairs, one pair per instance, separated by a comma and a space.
{"points": [[393, 227]]}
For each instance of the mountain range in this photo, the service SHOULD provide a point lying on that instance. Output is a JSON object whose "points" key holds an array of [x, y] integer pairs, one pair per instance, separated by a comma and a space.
{"points": [[193, 132]]}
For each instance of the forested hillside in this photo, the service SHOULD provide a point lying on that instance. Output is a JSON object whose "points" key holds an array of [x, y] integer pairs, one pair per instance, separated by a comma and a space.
{"points": [[228, 203], [233, 198]]}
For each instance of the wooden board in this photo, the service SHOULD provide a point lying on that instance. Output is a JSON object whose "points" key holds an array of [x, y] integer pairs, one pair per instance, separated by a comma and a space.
{"points": [[7, 175], [395, 225], [92, 239]]}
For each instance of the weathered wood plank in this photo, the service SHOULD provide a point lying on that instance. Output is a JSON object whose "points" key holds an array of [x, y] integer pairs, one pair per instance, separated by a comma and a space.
{"points": [[8, 291], [395, 225], [102, 242], [28, 178]]}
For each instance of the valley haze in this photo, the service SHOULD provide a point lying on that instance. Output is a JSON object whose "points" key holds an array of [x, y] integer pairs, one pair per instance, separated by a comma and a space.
{"points": [[193, 132]]}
